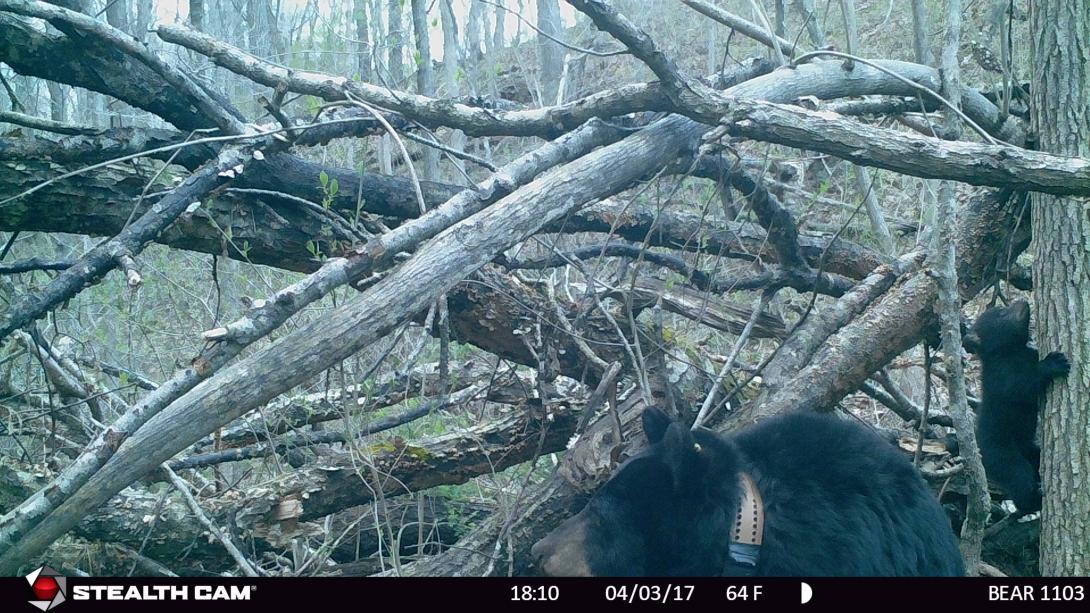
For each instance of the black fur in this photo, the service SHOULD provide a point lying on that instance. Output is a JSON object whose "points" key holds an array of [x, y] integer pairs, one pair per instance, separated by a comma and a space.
{"points": [[838, 500], [1012, 378]]}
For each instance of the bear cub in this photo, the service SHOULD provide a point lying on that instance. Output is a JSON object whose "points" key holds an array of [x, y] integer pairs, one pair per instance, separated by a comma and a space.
{"points": [[1012, 378], [837, 500]]}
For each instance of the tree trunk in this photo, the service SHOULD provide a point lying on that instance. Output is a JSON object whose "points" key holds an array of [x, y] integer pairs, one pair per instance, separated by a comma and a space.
{"points": [[450, 71], [550, 54], [1061, 274], [264, 32], [196, 14], [58, 101], [394, 70], [117, 14], [498, 32], [363, 46], [394, 41], [425, 77], [145, 14]]}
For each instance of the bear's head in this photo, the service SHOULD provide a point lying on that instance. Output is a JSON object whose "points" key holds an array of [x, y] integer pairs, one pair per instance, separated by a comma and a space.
{"points": [[667, 511], [999, 328]]}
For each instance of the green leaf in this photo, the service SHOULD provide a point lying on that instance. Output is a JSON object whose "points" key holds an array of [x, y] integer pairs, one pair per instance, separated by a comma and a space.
{"points": [[323, 178], [333, 187]]}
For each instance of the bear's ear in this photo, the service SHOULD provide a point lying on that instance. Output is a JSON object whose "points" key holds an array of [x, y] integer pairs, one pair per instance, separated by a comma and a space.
{"points": [[655, 423], [686, 458]]}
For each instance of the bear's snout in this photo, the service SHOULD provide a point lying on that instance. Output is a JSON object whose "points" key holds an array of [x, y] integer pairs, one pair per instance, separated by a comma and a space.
{"points": [[561, 553]]}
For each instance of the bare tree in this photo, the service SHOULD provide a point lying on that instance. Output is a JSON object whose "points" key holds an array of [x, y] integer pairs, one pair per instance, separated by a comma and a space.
{"points": [[550, 53], [196, 14], [394, 40], [364, 49], [425, 76], [263, 28], [862, 180], [451, 70], [117, 14]]}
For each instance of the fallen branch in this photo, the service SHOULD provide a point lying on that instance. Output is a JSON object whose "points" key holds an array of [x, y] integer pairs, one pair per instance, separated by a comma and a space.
{"points": [[48, 125], [103, 258], [269, 314], [449, 459], [307, 439]]}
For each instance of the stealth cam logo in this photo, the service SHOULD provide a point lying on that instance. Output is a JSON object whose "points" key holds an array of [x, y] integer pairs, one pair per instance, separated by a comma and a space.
{"points": [[49, 587]]}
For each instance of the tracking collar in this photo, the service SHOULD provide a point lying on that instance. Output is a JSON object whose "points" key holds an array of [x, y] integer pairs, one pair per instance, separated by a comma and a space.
{"points": [[749, 524]]}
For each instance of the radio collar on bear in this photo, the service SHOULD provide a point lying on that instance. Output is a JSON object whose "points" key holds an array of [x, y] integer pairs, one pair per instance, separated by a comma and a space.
{"points": [[749, 525]]}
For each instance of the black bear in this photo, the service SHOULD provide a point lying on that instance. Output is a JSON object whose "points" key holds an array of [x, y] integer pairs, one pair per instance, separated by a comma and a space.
{"points": [[1012, 378], [800, 494]]}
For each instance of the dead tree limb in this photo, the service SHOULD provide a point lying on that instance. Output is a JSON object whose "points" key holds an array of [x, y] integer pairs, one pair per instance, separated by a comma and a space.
{"points": [[279, 233], [976, 164], [432, 112], [405, 467], [89, 63], [269, 314], [103, 258], [447, 258], [48, 125], [82, 26], [744, 26], [323, 437], [903, 152]]}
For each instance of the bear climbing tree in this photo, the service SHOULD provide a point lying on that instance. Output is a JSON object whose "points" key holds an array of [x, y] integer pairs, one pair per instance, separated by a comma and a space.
{"points": [[1012, 380]]}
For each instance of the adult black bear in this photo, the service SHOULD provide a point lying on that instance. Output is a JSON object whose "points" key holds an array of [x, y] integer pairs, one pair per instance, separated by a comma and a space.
{"points": [[836, 500], [1012, 377]]}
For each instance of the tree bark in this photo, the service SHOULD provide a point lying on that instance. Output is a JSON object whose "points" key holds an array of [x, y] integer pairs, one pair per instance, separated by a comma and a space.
{"points": [[337, 483], [425, 77], [943, 257], [1061, 275]]}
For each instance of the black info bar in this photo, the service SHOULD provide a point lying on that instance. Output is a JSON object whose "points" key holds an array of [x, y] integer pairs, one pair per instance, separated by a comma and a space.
{"points": [[238, 594]]}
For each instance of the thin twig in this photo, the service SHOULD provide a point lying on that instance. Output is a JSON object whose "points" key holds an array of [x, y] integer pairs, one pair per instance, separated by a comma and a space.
{"points": [[706, 408]]}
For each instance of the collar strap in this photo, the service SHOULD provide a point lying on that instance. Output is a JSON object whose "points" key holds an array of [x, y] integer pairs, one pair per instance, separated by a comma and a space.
{"points": [[749, 524]]}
